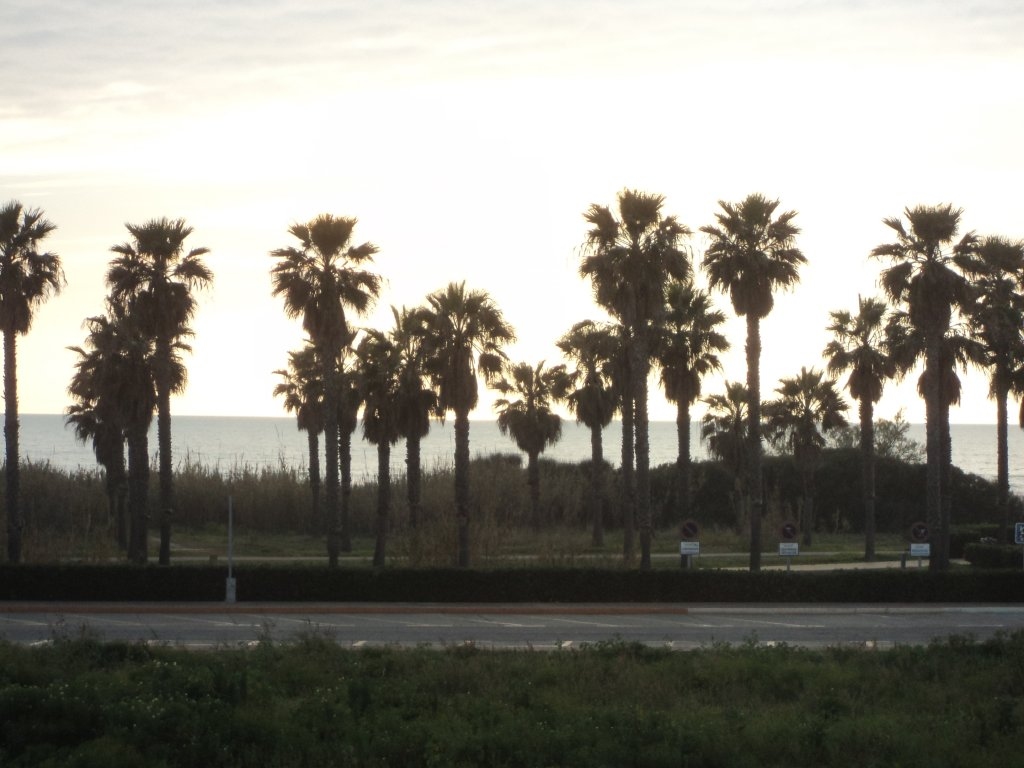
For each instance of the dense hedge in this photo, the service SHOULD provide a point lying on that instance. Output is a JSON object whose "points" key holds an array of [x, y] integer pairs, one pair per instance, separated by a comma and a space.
{"points": [[994, 555], [277, 583]]}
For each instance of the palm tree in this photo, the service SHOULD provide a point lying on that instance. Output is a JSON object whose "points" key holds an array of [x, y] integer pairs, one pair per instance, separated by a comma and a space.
{"points": [[350, 398], [808, 406], [957, 349], [591, 348], [528, 418], [860, 346], [724, 426], [414, 399], [318, 281], [751, 255], [380, 368], [466, 334], [155, 278], [27, 279], [117, 369], [95, 417], [926, 278], [687, 350], [630, 261], [303, 393], [996, 319]]}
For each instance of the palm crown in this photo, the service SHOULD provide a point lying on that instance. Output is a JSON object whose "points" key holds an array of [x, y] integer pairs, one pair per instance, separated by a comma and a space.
{"points": [[466, 333], [752, 253]]}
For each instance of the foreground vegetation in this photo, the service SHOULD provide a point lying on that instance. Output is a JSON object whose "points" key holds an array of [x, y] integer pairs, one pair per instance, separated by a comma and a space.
{"points": [[82, 702]]}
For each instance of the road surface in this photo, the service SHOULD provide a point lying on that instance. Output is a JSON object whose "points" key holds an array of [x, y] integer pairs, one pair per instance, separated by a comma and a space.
{"points": [[536, 626]]}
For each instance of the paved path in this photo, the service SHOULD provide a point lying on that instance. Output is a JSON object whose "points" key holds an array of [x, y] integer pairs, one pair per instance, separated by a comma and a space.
{"points": [[537, 626]]}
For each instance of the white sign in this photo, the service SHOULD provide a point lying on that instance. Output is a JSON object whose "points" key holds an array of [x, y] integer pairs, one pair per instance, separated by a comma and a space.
{"points": [[789, 549], [689, 547], [1018, 533], [920, 550]]}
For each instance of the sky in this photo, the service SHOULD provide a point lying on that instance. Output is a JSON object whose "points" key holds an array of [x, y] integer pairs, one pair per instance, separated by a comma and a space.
{"points": [[468, 138]]}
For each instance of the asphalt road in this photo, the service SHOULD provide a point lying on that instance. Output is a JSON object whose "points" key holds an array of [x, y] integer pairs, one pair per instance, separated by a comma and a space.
{"points": [[540, 627]]}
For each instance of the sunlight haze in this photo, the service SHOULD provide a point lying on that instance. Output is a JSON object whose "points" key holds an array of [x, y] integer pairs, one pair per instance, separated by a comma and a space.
{"points": [[469, 138]]}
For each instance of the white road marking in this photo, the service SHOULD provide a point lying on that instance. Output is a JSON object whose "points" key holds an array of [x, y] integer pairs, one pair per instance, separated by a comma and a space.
{"points": [[587, 623], [781, 624]]}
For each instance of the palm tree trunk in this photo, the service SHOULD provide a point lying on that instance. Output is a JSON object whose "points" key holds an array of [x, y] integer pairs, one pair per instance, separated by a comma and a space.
{"points": [[808, 526], [867, 456], [945, 478], [331, 457], [138, 494], [683, 460], [643, 458], [533, 481], [345, 461], [462, 484], [15, 524], [933, 481], [627, 496], [163, 438], [1003, 465], [383, 500], [413, 479], [313, 441], [596, 483], [755, 490]]}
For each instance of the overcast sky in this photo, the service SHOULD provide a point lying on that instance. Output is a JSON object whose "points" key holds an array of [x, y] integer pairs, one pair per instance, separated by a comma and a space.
{"points": [[469, 137]]}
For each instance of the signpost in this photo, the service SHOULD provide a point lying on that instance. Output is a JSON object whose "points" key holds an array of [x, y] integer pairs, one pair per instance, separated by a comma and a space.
{"points": [[689, 547], [789, 547], [919, 546], [1018, 538]]}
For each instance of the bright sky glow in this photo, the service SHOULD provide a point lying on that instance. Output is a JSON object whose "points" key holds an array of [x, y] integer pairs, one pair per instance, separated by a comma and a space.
{"points": [[468, 138]]}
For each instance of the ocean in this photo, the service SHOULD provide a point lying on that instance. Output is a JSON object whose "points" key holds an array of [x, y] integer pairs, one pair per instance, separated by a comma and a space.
{"points": [[230, 443]]}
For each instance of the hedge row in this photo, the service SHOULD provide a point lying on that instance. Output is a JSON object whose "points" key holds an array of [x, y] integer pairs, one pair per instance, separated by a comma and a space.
{"points": [[994, 555], [298, 584]]}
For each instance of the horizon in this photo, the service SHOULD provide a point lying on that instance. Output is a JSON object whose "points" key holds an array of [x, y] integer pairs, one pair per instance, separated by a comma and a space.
{"points": [[469, 141]]}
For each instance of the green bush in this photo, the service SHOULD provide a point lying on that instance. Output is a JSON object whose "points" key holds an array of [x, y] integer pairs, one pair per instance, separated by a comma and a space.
{"points": [[83, 703]]}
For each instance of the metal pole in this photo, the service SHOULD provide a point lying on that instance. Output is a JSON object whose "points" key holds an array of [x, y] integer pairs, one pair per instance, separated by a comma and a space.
{"points": [[229, 592]]}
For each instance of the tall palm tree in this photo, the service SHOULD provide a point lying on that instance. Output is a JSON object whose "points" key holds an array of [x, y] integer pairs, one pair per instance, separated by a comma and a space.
{"points": [[155, 279], [414, 399], [807, 406], [593, 400], [926, 278], [687, 350], [27, 279], [996, 320], [751, 255], [630, 260], [724, 426], [318, 281], [380, 380], [860, 346], [466, 333], [525, 414], [303, 393]]}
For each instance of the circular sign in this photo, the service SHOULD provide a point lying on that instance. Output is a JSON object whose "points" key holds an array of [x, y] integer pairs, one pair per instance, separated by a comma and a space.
{"points": [[919, 532], [690, 530], [788, 531]]}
